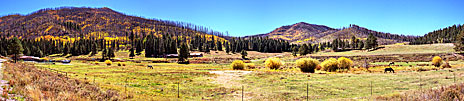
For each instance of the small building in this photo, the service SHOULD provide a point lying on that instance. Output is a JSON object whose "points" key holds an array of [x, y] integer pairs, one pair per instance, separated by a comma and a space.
{"points": [[172, 55], [190, 55], [30, 58], [196, 55]]}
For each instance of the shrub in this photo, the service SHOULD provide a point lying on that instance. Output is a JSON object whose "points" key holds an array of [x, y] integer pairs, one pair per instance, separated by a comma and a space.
{"points": [[250, 66], [238, 64], [450, 95], [119, 63], [344, 63], [318, 67], [436, 61], [330, 65], [96, 63], [307, 64], [108, 62], [273, 63], [446, 65], [123, 64]]}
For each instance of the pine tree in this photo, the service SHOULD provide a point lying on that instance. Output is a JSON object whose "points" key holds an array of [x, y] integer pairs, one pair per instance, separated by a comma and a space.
{"points": [[360, 44], [219, 46], [303, 50], [459, 44], [132, 53], [371, 42], [110, 53], [227, 47], [15, 47], [183, 53], [294, 50], [104, 54]]}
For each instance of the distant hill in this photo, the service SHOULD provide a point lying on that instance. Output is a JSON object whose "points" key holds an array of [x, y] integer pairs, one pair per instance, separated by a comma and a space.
{"points": [[311, 33], [73, 21]]}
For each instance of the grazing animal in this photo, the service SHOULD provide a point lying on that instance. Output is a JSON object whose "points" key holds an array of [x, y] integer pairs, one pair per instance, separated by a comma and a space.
{"points": [[389, 69], [150, 66], [392, 63]]}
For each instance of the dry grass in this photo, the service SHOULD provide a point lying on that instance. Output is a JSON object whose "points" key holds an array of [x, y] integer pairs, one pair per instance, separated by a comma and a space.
{"points": [[454, 92], [37, 84]]}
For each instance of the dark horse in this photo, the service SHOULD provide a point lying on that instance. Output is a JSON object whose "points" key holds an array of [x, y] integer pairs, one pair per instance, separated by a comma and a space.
{"points": [[150, 66], [389, 69]]}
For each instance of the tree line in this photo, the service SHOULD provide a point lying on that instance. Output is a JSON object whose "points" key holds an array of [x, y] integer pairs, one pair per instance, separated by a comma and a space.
{"points": [[445, 35]]}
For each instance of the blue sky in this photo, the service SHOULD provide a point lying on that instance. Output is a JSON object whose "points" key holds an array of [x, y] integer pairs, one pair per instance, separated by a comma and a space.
{"points": [[249, 17]]}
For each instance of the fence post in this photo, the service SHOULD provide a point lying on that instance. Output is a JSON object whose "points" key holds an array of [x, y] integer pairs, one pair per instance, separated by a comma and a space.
{"points": [[307, 92], [242, 92], [454, 76], [420, 82], [178, 96], [371, 89]]}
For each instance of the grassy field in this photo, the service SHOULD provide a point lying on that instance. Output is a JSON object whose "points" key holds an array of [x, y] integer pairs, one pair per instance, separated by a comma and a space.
{"points": [[396, 49], [197, 83], [217, 81], [140, 82]]}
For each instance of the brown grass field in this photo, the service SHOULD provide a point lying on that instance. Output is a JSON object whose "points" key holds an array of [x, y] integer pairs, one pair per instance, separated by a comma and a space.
{"points": [[211, 78]]}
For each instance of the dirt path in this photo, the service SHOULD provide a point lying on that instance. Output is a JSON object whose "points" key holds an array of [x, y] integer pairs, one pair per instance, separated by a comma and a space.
{"points": [[230, 79]]}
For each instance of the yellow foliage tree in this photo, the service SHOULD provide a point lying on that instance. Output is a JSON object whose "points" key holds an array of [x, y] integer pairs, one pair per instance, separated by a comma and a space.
{"points": [[330, 65], [307, 64], [436, 61], [273, 63], [344, 63], [238, 64]]}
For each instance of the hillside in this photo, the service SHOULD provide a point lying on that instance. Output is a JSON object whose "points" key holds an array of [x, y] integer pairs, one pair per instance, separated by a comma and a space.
{"points": [[300, 31], [73, 21], [445, 35], [310, 33], [362, 33]]}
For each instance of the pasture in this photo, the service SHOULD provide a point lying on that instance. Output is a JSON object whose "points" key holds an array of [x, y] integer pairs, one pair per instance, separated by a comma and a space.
{"points": [[197, 82]]}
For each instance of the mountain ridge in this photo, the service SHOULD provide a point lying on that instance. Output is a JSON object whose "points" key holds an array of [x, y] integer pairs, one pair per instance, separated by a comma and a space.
{"points": [[78, 21], [303, 32]]}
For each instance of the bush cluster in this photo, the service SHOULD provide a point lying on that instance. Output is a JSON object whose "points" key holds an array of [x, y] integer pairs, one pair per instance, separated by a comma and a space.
{"points": [[273, 63], [307, 64], [108, 62], [333, 64], [436, 61], [238, 65], [329, 65]]}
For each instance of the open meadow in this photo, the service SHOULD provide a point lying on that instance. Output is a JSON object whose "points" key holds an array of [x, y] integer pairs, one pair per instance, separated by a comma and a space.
{"points": [[214, 80], [228, 50]]}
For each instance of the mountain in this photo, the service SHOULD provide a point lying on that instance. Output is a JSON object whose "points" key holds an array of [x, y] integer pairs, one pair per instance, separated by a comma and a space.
{"points": [[98, 22], [311, 33], [299, 31]]}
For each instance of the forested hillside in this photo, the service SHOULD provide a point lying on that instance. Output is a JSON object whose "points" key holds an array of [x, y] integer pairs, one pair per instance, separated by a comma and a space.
{"points": [[81, 31], [445, 35], [97, 22]]}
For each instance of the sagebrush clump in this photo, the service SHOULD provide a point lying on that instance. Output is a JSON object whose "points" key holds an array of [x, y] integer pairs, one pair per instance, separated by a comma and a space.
{"points": [[108, 62], [307, 64], [436, 61], [238, 65], [250, 66], [273, 63], [330, 65], [451, 95], [344, 63]]}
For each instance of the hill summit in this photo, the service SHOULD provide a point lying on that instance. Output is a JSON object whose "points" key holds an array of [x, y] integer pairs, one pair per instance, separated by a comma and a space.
{"points": [[77, 21], [303, 32]]}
